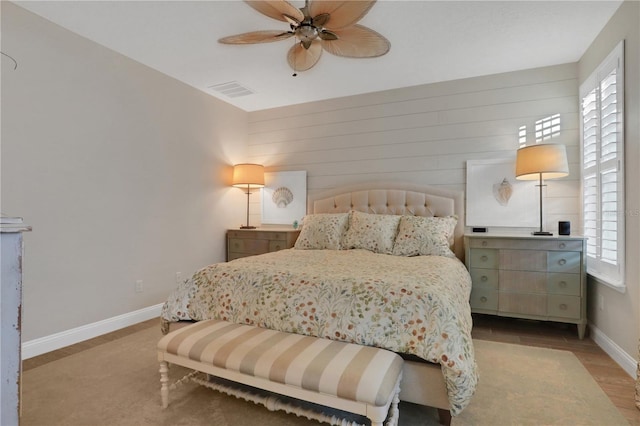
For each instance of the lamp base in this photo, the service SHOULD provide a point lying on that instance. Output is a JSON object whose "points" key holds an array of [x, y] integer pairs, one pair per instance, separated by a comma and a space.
{"points": [[542, 233], [247, 227]]}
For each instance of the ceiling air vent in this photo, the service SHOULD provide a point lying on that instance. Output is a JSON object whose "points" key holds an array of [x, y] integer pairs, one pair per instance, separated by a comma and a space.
{"points": [[231, 89]]}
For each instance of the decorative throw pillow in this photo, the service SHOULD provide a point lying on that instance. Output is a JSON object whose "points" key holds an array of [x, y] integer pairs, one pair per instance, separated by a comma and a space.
{"points": [[322, 231], [373, 232], [424, 236]]}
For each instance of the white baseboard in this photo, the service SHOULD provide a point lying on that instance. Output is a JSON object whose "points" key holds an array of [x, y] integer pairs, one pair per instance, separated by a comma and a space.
{"points": [[626, 361], [50, 343]]}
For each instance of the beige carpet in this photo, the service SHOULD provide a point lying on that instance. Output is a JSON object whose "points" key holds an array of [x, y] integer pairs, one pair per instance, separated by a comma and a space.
{"points": [[117, 383]]}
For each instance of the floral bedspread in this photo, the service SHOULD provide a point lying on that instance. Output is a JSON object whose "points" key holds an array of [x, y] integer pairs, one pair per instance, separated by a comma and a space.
{"points": [[415, 305]]}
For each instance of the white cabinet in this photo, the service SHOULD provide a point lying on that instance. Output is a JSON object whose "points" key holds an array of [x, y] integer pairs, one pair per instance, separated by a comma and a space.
{"points": [[531, 277], [11, 230]]}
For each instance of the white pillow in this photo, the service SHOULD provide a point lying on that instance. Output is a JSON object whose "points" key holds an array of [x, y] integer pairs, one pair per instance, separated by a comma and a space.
{"points": [[424, 236], [322, 231], [373, 232]]}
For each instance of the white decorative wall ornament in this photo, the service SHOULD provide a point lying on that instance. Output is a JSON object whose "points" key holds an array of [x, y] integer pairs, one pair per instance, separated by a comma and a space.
{"points": [[496, 198], [502, 191], [284, 197]]}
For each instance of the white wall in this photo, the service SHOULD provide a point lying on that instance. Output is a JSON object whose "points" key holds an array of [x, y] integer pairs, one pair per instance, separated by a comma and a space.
{"points": [[121, 171], [619, 321], [424, 134]]}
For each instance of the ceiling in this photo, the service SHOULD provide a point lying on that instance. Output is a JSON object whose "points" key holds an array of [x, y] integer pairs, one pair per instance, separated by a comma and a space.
{"points": [[431, 41]]}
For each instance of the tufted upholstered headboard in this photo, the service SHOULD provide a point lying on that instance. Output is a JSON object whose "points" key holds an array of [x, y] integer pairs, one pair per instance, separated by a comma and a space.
{"points": [[394, 198]]}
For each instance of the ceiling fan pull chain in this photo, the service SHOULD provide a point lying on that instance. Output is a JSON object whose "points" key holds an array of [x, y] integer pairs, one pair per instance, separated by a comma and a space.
{"points": [[295, 74]]}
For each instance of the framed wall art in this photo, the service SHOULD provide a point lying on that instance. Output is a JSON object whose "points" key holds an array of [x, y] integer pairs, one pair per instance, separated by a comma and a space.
{"points": [[496, 198], [284, 197]]}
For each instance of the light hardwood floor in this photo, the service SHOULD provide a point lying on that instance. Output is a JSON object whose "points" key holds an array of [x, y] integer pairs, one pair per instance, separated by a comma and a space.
{"points": [[615, 382]]}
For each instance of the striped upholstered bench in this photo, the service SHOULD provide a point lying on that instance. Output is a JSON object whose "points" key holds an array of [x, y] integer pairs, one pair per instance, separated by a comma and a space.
{"points": [[348, 377]]}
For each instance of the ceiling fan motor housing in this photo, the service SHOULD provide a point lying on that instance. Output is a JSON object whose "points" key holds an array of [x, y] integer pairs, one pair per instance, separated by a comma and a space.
{"points": [[306, 33]]}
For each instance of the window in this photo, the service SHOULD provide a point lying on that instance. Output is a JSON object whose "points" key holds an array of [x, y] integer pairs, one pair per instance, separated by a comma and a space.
{"points": [[547, 128], [522, 136], [602, 162]]}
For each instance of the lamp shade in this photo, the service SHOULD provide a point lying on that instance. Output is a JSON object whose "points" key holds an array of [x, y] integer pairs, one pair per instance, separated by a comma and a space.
{"points": [[543, 161], [248, 176]]}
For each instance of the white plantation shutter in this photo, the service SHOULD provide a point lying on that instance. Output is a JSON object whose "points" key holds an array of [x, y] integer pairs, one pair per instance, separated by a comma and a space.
{"points": [[603, 168]]}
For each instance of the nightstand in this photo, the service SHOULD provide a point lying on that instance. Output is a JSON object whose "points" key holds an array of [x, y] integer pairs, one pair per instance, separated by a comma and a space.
{"points": [[531, 277], [249, 242]]}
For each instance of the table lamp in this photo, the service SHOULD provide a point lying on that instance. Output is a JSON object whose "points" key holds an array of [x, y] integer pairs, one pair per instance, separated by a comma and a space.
{"points": [[248, 177], [541, 161]]}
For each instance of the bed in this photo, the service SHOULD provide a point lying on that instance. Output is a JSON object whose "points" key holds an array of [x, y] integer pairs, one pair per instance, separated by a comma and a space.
{"points": [[377, 265]]}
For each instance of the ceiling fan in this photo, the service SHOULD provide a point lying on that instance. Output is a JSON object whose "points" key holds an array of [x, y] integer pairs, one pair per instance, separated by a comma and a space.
{"points": [[319, 25]]}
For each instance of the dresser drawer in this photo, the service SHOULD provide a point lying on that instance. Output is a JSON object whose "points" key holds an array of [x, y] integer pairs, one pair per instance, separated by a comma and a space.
{"points": [[232, 256], [258, 235], [523, 303], [523, 260], [567, 284], [241, 245], [525, 244], [279, 236], [564, 306], [484, 278], [484, 299], [484, 258], [276, 245], [523, 281], [564, 261]]}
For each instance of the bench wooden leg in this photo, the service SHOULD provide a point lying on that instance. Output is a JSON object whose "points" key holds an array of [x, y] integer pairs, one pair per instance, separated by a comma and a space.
{"points": [[164, 383], [393, 414], [394, 411]]}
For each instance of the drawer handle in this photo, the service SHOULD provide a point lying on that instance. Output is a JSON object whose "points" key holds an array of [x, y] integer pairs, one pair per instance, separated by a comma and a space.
{"points": [[277, 248], [562, 284], [563, 307], [484, 278], [484, 258], [562, 245], [484, 244], [562, 261], [483, 299]]}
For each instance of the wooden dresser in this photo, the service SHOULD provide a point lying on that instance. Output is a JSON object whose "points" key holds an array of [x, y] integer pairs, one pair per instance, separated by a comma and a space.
{"points": [[530, 277], [249, 242]]}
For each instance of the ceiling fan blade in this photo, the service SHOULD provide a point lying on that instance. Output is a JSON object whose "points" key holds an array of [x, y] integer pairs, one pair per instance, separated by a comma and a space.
{"points": [[256, 37], [357, 41], [327, 35], [320, 20], [301, 59], [343, 13], [291, 20], [276, 9]]}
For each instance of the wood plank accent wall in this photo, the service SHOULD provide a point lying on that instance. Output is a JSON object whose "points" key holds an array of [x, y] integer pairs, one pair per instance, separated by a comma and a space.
{"points": [[423, 134]]}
